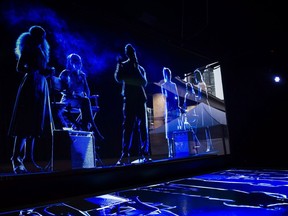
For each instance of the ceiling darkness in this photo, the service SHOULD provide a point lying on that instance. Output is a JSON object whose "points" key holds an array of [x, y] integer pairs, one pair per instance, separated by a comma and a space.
{"points": [[211, 28]]}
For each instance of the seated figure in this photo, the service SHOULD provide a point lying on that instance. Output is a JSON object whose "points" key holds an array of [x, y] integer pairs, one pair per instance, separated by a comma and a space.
{"points": [[76, 94]]}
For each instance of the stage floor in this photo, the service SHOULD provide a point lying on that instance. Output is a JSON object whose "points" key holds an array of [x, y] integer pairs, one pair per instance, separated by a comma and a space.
{"points": [[226, 192]]}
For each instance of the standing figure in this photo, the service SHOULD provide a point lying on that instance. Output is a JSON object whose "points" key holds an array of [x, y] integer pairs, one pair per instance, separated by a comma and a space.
{"points": [[202, 88], [172, 109], [31, 117], [190, 100], [132, 76], [190, 121], [76, 93]]}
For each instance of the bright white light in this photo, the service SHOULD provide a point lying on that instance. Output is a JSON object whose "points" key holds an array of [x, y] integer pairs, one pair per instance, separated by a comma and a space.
{"points": [[218, 83], [277, 79]]}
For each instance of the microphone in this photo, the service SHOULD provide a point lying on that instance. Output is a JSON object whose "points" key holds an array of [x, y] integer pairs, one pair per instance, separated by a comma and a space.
{"points": [[119, 59], [49, 71]]}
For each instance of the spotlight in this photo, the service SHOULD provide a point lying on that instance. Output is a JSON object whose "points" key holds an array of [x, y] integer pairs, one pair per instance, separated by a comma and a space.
{"points": [[277, 79]]}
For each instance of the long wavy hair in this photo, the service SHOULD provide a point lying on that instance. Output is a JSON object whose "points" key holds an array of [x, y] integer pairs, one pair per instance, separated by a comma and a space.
{"points": [[35, 37]]}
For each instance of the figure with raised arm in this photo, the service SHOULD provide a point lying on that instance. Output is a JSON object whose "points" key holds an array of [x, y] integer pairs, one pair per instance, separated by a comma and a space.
{"points": [[132, 76]]}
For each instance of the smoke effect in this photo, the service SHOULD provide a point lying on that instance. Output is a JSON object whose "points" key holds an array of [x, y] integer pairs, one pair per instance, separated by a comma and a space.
{"points": [[64, 38], [71, 30]]}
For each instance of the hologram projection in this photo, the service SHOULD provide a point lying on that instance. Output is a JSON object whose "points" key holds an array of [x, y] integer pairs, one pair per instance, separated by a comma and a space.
{"points": [[100, 43]]}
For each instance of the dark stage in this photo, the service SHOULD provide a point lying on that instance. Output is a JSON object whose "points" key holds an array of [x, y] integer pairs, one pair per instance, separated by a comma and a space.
{"points": [[224, 192], [228, 158]]}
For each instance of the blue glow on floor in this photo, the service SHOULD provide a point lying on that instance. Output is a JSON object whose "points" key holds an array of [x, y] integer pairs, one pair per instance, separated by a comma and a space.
{"points": [[233, 192]]}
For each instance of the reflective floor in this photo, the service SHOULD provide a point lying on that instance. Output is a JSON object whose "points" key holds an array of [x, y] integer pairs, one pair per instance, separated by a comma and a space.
{"points": [[227, 192]]}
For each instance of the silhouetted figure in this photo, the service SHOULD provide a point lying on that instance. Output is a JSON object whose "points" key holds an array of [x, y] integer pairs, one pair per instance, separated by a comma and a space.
{"points": [[132, 76], [76, 93], [202, 89], [188, 103], [31, 118], [172, 109], [189, 116]]}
